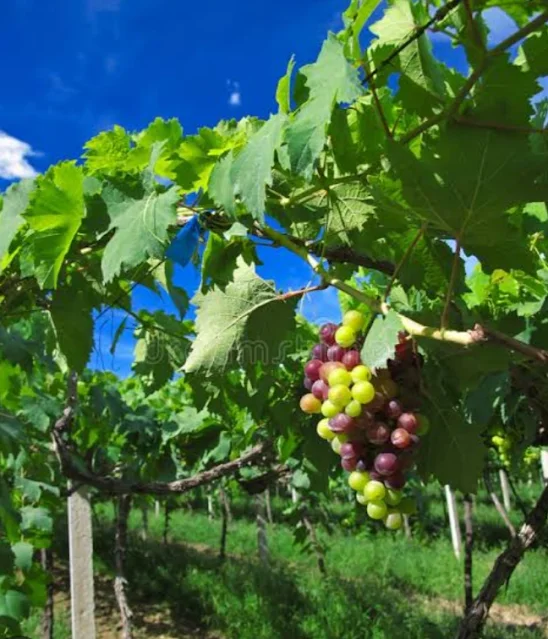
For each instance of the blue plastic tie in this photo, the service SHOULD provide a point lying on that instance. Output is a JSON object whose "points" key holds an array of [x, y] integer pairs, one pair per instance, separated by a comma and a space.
{"points": [[185, 243]]}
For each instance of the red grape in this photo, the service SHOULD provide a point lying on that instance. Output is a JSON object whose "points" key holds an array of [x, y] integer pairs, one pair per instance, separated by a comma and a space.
{"points": [[351, 449], [378, 433], [307, 383], [393, 409], [349, 463], [409, 422], [362, 465], [312, 369], [320, 352], [335, 353], [395, 481], [415, 441], [401, 438], [342, 423], [351, 359], [320, 389], [373, 474], [386, 464], [377, 403], [327, 333]]}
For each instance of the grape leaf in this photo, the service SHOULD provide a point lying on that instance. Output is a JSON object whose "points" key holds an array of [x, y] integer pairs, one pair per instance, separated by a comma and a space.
{"points": [[421, 83], [454, 188], [140, 221], [453, 450], [54, 216], [221, 187], [381, 340], [330, 80], [244, 324], [482, 402], [252, 169], [14, 605], [23, 552], [15, 203], [108, 152], [71, 316], [283, 90]]}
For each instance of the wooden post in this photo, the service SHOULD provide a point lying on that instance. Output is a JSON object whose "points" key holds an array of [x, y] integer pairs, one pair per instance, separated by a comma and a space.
{"points": [[468, 552], [544, 463], [407, 526], [453, 520], [262, 538], [156, 509], [210, 509], [81, 565], [505, 487], [268, 506], [46, 558]]}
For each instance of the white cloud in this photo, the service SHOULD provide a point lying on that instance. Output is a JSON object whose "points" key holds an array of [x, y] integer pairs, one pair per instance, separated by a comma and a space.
{"points": [[235, 95], [13, 154]]}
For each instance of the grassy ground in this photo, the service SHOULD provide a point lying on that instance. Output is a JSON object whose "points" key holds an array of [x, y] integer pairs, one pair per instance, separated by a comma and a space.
{"points": [[379, 585]]}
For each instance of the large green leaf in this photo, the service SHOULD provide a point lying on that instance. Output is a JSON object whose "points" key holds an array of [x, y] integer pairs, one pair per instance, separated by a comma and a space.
{"points": [[463, 184], [71, 316], [421, 82], [54, 216], [453, 450], [283, 90], [251, 171], [331, 80], [141, 223], [14, 205], [237, 327], [14, 605]]}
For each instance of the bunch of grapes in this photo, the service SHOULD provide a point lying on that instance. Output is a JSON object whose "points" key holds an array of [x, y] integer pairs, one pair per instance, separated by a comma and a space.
{"points": [[375, 433]]}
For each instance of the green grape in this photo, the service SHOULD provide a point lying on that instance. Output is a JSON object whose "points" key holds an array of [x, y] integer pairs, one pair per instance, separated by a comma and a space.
{"points": [[393, 497], [360, 373], [393, 520], [357, 480], [337, 442], [363, 392], [361, 499], [374, 490], [340, 395], [353, 408], [345, 336], [324, 431], [377, 509], [329, 409], [355, 320], [339, 376]]}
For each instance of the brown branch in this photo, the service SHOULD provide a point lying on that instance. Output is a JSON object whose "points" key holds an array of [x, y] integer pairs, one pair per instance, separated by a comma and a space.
{"points": [[440, 14], [111, 485], [481, 333], [504, 567], [120, 581], [473, 26], [373, 87], [300, 292]]}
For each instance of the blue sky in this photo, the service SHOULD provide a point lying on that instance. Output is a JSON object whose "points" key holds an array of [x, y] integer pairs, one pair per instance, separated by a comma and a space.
{"points": [[73, 68]]}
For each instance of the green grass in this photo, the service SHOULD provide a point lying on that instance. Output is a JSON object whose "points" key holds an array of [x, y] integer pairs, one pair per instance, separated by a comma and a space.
{"points": [[380, 585]]}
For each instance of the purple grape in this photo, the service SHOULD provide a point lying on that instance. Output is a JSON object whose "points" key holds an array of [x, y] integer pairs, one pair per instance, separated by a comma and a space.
{"points": [[320, 389], [409, 422], [307, 383], [393, 409], [312, 369], [375, 475], [351, 449], [320, 352], [401, 438], [335, 353], [342, 423], [349, 463], [386, 464], [378, 433], [327, 333], [362, 465], [395, 481], [351, 359]]}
